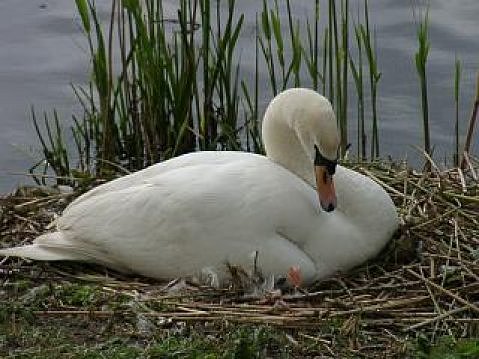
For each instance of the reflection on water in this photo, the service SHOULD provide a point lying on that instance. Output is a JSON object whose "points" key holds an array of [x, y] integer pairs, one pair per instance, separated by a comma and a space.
{"points": [[42, 52]]}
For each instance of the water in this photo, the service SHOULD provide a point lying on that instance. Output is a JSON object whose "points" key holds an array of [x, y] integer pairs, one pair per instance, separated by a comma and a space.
{"points": [[42, 51]]}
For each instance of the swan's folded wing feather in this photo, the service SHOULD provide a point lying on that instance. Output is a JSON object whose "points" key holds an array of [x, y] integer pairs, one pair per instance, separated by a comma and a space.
{"points": [[210, 158], [55, 247]]}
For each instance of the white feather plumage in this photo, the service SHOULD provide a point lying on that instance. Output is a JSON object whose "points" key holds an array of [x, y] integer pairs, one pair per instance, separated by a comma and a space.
{"points": [[204, 209]]}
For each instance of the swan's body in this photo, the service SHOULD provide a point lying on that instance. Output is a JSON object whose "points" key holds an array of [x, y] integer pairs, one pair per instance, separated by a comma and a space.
{"points": [[199, 211]]}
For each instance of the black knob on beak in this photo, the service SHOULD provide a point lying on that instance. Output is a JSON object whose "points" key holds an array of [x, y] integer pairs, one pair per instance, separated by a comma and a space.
{"points": [[330, 208]]}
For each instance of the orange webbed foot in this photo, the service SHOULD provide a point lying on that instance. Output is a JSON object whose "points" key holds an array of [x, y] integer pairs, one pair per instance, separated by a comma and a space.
{"points": [[295, 277]]}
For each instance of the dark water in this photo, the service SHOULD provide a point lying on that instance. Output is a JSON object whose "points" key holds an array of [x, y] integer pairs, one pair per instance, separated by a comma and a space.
{"points": [[42, 51]]}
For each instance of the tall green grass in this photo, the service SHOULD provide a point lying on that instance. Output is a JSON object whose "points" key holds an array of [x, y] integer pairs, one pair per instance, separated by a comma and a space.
{"points": [[312, 51], [157, 108], [163, 86], [421, 62], [358, 76], [457, 83], [54, 150], [344, 55], [374, 77], [472, 125], [338, 61], [280, 69]]}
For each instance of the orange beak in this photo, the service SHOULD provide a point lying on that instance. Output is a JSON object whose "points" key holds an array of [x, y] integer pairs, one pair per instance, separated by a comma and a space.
{"points": [[325, 188]]}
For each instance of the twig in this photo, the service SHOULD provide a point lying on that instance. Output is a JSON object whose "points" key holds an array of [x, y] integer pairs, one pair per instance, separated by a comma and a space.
{"points": [[382, 183], [436, 318], [445, 291]]}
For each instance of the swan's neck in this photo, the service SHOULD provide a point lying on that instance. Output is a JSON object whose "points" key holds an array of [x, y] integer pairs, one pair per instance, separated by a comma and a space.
{"points": [[284, 148], [294, 123], [295, 161]]}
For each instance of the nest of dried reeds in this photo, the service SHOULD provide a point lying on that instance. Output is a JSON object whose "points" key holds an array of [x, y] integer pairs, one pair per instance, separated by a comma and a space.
{"points": [[424, 284]]}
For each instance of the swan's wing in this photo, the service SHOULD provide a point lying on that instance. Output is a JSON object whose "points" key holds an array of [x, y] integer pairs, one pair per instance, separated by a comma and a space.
{"points": [[184, 218], [209, 158], [55, 247], [187, 218], [204, 189]]}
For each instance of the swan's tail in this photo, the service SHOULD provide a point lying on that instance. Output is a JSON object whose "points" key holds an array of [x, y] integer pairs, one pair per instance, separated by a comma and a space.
{"points": [[55, 247]]}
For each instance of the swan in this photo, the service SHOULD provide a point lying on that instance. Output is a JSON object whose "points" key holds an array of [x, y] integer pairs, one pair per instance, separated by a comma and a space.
{"points": [[193, 214]]}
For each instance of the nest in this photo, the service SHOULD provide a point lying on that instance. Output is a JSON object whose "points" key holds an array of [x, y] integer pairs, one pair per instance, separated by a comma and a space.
{"points": [[425, 284]]}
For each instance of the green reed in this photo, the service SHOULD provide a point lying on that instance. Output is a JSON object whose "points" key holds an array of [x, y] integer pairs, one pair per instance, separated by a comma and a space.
{"points": [[357, 72], [54, 149], [250, 105], [421, 61], [311, 54], [336, 58], [343, 105], [162, 86], [156, 109], [472, 125], [457, 82], [374, 77], [325, 57], [334, 71], [273, 48]]}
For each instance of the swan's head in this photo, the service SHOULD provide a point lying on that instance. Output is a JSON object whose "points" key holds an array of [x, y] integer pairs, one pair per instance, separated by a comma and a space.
{"points": [[324, 170], [300, 132], [317, 131]]}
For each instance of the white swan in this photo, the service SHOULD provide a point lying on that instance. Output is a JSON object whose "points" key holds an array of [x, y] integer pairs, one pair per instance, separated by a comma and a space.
{"points": [[201, 210]]}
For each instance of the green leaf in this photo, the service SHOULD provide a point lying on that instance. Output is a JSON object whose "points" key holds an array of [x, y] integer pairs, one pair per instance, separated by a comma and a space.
{"points": [[355, 72], [418, 62], [265, 22], [131, 5], [457, 78], [276, 24], [236, 32], [82, 7]]}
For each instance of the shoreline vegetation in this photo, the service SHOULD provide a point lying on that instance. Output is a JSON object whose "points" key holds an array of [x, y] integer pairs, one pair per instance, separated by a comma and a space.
{"points": [[161, 87]]}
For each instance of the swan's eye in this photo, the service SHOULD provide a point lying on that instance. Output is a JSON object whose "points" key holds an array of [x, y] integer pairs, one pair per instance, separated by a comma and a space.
{"points": [[331, 167], [320, 160]]}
